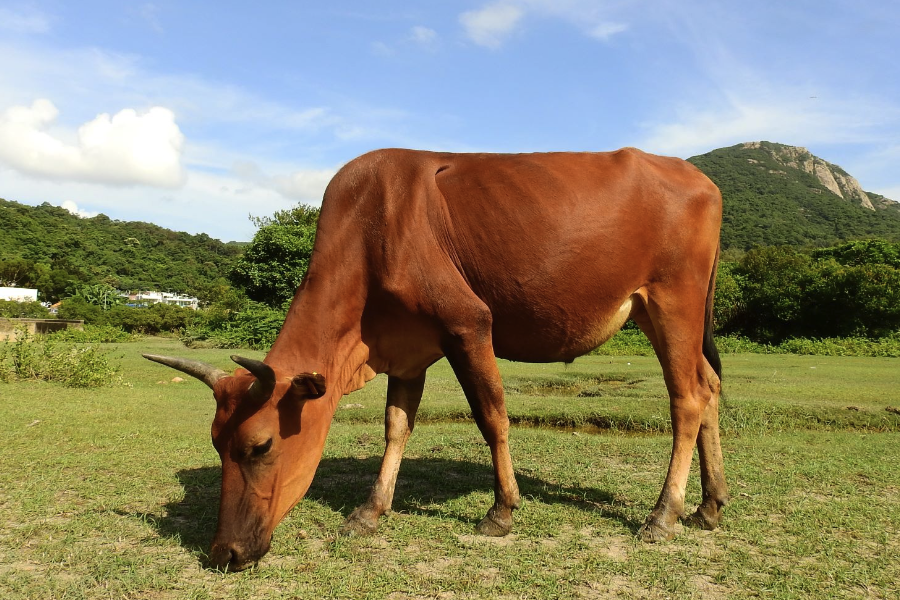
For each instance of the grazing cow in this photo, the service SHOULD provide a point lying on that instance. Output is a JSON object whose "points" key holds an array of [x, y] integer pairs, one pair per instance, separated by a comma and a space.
{"points": [[421, 255]]}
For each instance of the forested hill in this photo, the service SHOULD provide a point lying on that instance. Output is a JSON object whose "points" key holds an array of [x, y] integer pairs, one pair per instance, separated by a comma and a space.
{"points": [[51, 249], [775, 194]]}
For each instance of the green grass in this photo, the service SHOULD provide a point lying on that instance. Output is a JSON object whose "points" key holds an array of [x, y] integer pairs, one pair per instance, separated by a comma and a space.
{"points": [[113, 493]]}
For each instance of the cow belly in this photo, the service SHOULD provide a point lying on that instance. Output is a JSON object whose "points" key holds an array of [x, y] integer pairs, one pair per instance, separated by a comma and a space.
{"points": [[556, 337]]}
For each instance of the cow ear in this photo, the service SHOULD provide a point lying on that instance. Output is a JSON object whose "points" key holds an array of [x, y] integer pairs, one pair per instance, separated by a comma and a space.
{"points": [[309, 385]]}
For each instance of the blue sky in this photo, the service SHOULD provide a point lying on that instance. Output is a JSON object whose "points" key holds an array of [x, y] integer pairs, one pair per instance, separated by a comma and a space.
{"points": [[195, 115]]}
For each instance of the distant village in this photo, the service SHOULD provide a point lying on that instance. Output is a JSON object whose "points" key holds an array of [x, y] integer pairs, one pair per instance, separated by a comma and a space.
{"points": [[136, 299]]}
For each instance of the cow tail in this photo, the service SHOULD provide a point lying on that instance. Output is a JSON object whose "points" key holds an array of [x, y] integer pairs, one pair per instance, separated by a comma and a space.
{"points": [[709, 344]]}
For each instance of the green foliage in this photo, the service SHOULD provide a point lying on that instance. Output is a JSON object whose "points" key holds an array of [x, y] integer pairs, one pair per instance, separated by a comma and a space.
{"points": [[77, 308], [631, 342], [92, 334], [628, 342], [47, 248], [253, 325], [23, 310], [776, 293], [864, 252], [154, 319], [18, 272], [157, 318], [766, 203], [729, 301], [45, 358], [847, 346], [275, 262], [100, 294]]}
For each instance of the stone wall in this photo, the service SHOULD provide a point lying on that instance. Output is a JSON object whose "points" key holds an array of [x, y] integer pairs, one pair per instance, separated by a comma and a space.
{"points": [[10, 328]]}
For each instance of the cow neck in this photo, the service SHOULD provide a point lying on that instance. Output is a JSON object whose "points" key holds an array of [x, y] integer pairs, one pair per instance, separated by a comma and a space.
{"points": [[322, 332]]}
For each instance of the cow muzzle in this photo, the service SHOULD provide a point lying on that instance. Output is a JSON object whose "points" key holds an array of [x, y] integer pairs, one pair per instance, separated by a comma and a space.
{"points": [[235, 557]]}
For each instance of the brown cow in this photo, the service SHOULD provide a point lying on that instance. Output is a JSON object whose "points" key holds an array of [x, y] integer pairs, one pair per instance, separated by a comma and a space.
{"points": [[421, 255]]}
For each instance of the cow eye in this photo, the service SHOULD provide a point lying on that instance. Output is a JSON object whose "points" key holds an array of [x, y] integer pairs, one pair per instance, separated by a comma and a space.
{"points": [[261, 449]]}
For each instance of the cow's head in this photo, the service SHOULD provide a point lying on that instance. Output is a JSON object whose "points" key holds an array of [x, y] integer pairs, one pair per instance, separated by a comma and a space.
{"points": [[269, 431]]}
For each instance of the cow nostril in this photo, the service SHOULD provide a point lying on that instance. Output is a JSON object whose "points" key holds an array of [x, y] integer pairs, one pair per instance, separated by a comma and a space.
{"points": [[223, 557]]}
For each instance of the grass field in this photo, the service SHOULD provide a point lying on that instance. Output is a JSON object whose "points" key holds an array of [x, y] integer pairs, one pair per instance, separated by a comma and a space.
{"points": [[113, 493]]}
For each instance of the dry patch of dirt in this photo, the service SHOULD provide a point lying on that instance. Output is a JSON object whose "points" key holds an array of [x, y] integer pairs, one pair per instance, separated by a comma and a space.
{"points": [[708, 589], [436, 569], [618, 587], [480, 540]]}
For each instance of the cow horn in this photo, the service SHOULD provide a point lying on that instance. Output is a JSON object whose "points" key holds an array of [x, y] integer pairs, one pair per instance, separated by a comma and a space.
{"points": [[264, 385], [208, 374]]}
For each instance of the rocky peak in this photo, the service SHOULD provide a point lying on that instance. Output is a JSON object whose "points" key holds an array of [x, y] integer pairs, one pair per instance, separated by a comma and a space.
{"points": [[831, 176]]}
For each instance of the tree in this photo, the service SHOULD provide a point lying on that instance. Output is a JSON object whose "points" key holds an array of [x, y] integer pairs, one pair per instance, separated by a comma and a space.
{"points": [[275, 262], [101, 295]]}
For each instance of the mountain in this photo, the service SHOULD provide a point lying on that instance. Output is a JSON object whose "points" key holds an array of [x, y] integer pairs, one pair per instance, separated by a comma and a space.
{"points": [[53, 250], [774, 194]]}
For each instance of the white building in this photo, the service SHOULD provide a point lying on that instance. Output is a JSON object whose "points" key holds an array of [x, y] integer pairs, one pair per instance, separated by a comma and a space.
{"points": [[148, 298], [18, 294]]}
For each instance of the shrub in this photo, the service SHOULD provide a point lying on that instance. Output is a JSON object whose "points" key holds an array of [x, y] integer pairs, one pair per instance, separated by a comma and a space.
{"points": [[775, 294], [255, 326], [628, 342], [729, 301], [848, 346], [43, 358], [77, 308], [92, 334], [23, 310], [155, 319]]}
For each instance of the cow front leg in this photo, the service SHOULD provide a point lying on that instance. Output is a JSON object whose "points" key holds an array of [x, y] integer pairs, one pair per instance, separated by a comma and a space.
{"points": [[473, 361], [403, 397]]}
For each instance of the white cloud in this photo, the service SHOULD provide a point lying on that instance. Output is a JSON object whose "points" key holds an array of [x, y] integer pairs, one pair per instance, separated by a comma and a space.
{"points": [[31, 22], [73, 208], [124, 149], [305, 185], [423, 35], [494, 23], [785, 115], [604, 31], [149, 13], [491, 25]]}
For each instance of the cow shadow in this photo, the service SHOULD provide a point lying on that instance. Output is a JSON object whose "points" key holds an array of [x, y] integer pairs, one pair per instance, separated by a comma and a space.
{"points": [[424, 487]]}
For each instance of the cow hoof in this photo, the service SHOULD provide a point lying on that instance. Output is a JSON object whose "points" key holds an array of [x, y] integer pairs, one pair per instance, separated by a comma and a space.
{"points": [[358, 524], [704, 518], [494, 525], [652, 532]]}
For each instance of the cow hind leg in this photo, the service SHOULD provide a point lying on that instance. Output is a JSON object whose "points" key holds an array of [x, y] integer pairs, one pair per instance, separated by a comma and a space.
{"points": [[693, 396], [712, 473], [403, 397]]}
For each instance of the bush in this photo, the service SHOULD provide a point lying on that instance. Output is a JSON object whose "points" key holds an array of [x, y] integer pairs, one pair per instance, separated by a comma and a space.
{"points": [[254, 326], [43, 358], [92, 334], [155, 319], [630, 341], [775, 294], [849, 346], [729, 300], [23, 310], [77, 308], [866, 252]]}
